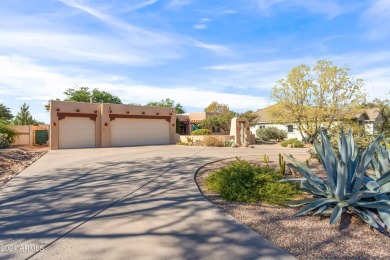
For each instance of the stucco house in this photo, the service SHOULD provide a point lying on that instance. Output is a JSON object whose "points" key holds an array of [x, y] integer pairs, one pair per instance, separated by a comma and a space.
{"points": [[370, 118], [90, 125]]}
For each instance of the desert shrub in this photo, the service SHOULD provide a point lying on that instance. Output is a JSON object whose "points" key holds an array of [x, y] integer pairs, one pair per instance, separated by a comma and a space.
{"points": [[8, 134], [271, 133], [243, 182], [213, 141], [201, 132], [293, 142], [4, 142], [181, 143]]}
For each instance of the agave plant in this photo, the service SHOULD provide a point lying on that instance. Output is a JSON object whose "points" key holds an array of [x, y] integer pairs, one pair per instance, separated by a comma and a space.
{"points": [[347, 189]]}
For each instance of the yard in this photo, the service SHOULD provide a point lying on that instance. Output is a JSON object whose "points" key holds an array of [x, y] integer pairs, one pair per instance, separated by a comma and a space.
{"points": [[307, 237], [15, 160]]}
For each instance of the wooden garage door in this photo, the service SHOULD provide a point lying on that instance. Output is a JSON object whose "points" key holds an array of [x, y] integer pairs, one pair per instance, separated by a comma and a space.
{"points": [[130, 131], [76, 132]]}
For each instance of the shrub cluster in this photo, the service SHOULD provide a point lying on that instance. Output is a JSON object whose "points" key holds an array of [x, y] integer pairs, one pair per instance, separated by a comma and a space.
{"points": [[201, 132], [240, 181], [271, 133], [4, 142], [213, 141], [293, 142], [7, 134]]}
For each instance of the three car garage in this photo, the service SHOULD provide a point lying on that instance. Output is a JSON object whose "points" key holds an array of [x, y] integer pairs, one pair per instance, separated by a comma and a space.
{"points": [[89, 125]]}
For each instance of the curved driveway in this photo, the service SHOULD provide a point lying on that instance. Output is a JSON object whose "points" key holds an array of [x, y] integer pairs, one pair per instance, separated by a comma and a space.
{"points": [[124, 203]]}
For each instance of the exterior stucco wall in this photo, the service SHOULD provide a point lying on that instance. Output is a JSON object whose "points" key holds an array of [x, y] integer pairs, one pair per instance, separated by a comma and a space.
{"points": [[195, 138], [103, 118]]}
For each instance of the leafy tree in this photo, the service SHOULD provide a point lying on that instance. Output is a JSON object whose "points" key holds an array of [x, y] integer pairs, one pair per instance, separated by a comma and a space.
{"points": [[250, 115], [222, 121], [24, 117], [5, 113], [216, 107], [316, 98], [168, 103], [83, 94]]}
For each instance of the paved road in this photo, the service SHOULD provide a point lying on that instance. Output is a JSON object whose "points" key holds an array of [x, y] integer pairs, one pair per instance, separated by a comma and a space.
{"points": [[124, 203]]}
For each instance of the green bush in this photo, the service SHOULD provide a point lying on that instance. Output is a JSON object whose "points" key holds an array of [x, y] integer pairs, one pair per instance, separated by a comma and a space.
{"points": [[243, 182], [293, 142], [4, 142], [8, 134], [229, 143], [201, 132], [271, 133]]}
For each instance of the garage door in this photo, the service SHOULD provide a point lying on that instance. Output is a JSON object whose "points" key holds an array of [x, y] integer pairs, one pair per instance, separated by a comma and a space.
{"points": [[130, 131], [76, 132]]}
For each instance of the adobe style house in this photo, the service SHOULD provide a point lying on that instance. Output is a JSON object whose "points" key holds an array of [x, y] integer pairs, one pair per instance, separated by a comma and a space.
{"points": [[190, 121], [90, 125], [370, 118]]}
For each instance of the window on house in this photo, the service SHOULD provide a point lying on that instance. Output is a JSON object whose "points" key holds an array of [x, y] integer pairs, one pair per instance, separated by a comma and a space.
{"points": [[261, 126], [290, 128]]}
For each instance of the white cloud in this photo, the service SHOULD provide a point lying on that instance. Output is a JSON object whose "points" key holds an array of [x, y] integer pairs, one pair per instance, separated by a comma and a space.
{"points": [[203, 24], [142, 37], [82, 48], [329, 8], [377, 19], [200, 26], [177, 4], [24, 80]]}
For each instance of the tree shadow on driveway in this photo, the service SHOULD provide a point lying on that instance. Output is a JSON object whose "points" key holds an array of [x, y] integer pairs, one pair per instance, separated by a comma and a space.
{"points": [[144, 207]]}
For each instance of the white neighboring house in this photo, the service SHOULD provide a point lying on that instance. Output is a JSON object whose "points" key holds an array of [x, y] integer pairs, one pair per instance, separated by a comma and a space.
{"points": [[265, 120], [370, 118]]}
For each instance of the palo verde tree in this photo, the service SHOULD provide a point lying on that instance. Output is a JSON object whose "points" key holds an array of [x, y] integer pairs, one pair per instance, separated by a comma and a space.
{"points": [[83, 94], [168, 103], [24, 116], [315, 98]]}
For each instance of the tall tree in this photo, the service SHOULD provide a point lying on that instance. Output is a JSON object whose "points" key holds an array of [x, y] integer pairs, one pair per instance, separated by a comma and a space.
{"points": [[168, 103], [222, 121], [5, 113], [250, 115], [216, 107], [317, 97], [24, 116], [83, 94]]}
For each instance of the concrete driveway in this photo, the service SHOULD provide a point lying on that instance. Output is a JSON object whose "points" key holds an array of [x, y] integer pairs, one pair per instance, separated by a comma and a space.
{"points": [[124, 203]]}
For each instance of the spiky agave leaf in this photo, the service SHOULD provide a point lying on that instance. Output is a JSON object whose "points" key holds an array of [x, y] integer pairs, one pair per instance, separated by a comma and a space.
{"points": [[313, 205], [328, 158]]}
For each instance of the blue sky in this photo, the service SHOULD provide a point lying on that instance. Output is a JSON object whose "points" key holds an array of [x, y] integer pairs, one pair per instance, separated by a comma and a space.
{"points": [[192, 51]]}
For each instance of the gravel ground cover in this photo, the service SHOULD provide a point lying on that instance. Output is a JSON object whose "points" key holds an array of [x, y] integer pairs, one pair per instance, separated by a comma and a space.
{"points": [[305, 237], [15, 160]]}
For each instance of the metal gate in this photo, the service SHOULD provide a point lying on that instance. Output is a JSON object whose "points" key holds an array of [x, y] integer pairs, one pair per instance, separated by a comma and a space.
{"points": [[40, 137]]}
